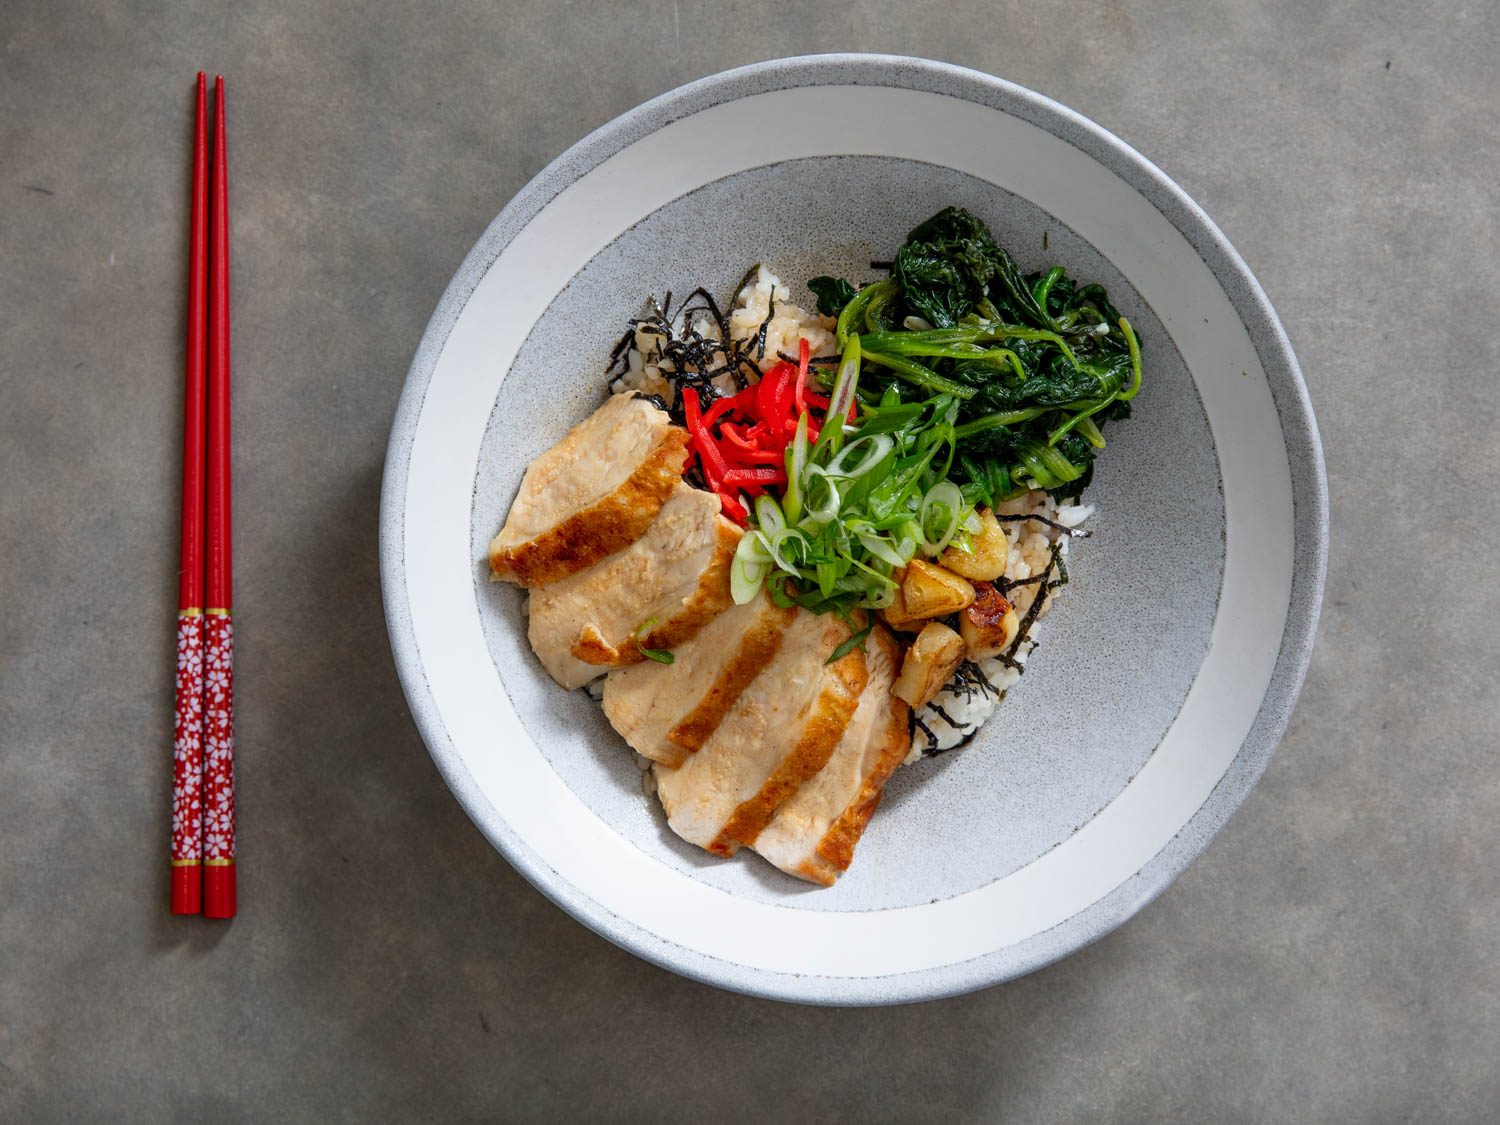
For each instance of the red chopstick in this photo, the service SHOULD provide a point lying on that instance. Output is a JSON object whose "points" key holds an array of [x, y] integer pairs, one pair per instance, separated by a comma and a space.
{"points": [[218, 766], [187, 745]]}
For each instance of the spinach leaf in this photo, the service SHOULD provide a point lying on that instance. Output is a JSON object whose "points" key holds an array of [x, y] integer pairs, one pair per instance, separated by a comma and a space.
{"points": [[833, 293], [1035, 365], [944, 266], [951, 262]]}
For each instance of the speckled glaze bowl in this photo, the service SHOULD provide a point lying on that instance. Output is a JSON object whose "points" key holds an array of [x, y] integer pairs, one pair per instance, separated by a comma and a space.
{"points": [[1166, 672]]}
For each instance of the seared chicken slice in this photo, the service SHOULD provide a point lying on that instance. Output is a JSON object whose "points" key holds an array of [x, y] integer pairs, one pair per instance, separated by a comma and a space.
{"points": [[668, 711], [779, 733], [665, 586], [592, 494], [813, 835]]}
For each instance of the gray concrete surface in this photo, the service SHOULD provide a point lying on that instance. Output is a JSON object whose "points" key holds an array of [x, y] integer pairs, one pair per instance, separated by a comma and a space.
{"points": [[1335, 956]]}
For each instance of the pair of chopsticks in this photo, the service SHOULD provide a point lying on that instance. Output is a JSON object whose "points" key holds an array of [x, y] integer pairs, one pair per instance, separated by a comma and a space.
{"points": [[203, 816]]}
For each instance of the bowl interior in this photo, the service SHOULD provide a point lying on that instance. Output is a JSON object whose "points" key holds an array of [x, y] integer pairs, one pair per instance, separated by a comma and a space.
{"points": [[1117, 654]]}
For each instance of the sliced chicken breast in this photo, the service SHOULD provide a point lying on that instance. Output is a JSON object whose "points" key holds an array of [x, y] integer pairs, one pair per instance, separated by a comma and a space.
{"points": [[779, 732], [813, 834], [675, 575], [592, 494], [668, 711]]}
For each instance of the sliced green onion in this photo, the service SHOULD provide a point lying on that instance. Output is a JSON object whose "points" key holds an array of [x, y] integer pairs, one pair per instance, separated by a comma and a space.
{"points": [[854, 641], [753, 547], [768, 515], [832, 434], [748, 571], [796, 465], [824, 510], [882, 549], [879, 445], [826, 575], [660, 655], [789, 560], [776, 588], [943, 497], [888, 419]]}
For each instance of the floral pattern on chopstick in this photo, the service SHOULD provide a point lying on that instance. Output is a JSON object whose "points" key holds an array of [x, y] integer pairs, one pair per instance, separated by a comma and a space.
{"points": [[218, 741], [187, 742]]}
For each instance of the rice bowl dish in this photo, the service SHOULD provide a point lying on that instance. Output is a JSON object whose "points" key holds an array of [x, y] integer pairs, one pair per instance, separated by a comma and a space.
{"points": [[798, 548]]}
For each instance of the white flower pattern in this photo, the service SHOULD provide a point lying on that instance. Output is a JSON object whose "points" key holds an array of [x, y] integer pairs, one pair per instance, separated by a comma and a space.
{"points": [[203, 814], [187, 744], [218, 815]]}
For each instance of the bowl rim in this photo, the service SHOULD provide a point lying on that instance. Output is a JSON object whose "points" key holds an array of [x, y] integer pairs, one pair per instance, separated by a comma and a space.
{"points": [[1299, 432]]}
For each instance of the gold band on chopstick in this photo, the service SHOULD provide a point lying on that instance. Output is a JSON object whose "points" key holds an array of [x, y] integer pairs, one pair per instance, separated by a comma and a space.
{"points": [[218, 863], [194, 611], [187, 863], [217, 612]]}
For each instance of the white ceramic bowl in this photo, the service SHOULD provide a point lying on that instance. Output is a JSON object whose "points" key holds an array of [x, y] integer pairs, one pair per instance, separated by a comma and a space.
{"points": [[1166, 673]]}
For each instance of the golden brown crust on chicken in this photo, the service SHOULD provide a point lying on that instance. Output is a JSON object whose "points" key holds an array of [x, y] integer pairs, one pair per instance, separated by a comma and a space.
{"points": [[837, 847], [821, 733], [608, 525], [814, 833], [711, 598], [757, 647], [780, 727], [649, 702], [675, 575]]}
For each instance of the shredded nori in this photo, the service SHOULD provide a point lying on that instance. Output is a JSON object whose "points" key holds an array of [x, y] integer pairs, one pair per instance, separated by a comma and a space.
{"points": [[914, 724], [695, 360], [1006, 585], [760, 335], [947, 718], [827, 360], [1062, 572], [1035, 608], [1074, 532], [970, 678]]}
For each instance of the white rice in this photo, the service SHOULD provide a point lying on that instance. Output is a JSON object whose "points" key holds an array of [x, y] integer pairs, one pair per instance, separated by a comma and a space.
{"points": [[789, 324]]}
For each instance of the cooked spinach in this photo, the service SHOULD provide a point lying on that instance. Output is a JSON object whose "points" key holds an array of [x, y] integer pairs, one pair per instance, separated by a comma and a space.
{"points": [[950, 263], [1037, 363], [833, 293]]}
